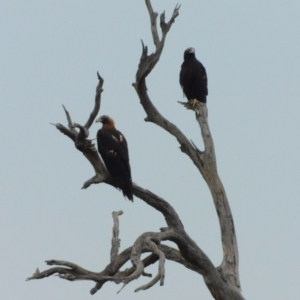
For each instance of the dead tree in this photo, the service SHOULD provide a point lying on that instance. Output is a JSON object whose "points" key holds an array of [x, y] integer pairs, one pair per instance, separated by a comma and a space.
{"points": [[222, 281]]}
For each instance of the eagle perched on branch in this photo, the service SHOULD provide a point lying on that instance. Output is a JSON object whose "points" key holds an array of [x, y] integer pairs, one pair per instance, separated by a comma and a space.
{"points": [[192, 78], [113, 149]]}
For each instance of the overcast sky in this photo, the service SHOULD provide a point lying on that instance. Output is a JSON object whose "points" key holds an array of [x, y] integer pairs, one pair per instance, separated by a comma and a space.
{"points": [[50, 53]]}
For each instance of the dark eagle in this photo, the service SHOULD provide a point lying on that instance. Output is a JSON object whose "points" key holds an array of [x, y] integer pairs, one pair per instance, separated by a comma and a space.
{"points": [[192, 78], [113, 149]]}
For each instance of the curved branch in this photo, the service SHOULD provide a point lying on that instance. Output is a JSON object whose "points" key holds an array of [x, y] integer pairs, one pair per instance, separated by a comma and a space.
{"points": [[83, 144], [154, 116], [147, 63], [96, 109], [161, 267], [147, 242], [83, 132], [206, 164], [89, 151], [229, 266], [73, 272], [65, 131], [204, 161], [172, 218], [169, 252], [70, 122], [223, 282]]}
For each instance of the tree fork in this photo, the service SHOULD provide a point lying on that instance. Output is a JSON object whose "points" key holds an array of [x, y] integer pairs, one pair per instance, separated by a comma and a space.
{"points": [[223, 281]]}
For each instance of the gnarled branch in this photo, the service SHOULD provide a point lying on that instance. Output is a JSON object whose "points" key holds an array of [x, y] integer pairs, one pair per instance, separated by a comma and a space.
{"points": [[147, 242], [83, 144], [204, 161], [223, 281]]}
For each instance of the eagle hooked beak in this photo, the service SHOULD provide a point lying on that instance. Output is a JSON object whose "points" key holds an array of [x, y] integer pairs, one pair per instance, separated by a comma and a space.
{"points": [[99, 120]]}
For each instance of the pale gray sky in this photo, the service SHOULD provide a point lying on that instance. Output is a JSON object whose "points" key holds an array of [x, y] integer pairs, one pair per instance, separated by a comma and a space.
{"points": [[50, 53]]}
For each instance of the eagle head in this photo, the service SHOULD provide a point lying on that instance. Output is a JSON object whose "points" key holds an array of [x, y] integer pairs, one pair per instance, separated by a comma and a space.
{"points": [[189, 52], [105, 120]]}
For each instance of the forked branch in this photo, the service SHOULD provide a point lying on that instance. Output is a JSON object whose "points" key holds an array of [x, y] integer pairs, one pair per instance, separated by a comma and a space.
{"points": [[83, 144], [223, 281], [205, 160], [147, 242]]}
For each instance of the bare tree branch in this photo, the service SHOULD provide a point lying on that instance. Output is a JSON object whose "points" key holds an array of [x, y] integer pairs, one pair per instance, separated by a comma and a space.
{"points": [[223, 281], [204, 161], [96, 109], [83, 144], [147, 63], [153, 17], [70, 122], [229, 266], [170, 254], [147, 242], [115, 241], [65, 131], [172, 218], [161, 267]]}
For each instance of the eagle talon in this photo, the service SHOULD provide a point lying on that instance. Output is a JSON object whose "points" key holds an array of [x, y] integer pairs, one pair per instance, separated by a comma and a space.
{"points": [[193, 102]]}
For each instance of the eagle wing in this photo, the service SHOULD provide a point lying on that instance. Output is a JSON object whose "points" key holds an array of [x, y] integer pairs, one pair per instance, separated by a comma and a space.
{"points": [[113, 148], [120, 144], [193, 79], [200, 76]]}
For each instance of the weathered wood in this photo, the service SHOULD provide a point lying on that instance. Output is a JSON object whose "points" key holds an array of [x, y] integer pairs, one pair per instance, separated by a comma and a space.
{"points": [[229, 266], [205, 161], [223, 281], [115, 241]]}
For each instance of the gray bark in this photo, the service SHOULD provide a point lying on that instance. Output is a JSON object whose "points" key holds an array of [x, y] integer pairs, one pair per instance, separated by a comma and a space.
{"points": [[222, 281]]}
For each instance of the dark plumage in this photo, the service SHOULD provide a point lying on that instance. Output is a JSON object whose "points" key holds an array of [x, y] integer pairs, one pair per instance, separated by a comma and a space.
{"points": [[192, 77], [113, 149]]}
